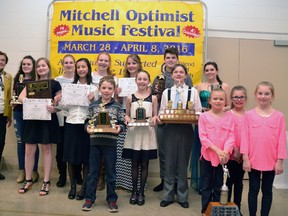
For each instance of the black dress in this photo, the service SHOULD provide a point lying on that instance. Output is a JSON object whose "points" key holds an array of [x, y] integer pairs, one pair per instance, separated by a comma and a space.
{"points": [[43, 131]]}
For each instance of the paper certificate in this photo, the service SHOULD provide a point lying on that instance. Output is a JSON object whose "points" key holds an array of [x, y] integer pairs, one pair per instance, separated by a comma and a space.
{"points": [[75, 94], [128, 86], [36, 109]]}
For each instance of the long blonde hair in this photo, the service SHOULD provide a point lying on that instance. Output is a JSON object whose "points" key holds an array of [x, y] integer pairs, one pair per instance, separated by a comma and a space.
{"points": [[107, 54]]}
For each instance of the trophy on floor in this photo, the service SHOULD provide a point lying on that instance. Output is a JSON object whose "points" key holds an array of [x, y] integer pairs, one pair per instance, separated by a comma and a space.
{"points": [[141, 119], [223, 207], [104, 124], [224, 188], [19, 88]]}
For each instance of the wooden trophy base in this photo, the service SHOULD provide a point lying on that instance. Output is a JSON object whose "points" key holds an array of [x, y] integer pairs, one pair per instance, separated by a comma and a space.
{"points": [[102, 129], [138, 123], [178, 116], [216, 209]]}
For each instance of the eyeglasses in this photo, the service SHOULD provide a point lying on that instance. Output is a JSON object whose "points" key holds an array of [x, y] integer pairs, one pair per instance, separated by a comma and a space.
{"points": [[238, 98]]}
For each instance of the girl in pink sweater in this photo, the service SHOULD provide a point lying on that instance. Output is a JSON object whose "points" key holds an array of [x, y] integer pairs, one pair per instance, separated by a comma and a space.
{"points": [[235, 181], [217, 140], [263, 146]]}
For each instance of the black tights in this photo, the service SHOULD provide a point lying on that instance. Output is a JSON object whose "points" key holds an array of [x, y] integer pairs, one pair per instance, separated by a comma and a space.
{"points": [[73, 170], [136, 166]]}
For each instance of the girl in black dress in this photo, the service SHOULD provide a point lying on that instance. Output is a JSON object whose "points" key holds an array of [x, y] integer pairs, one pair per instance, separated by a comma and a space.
{"points": [[44, 132]]}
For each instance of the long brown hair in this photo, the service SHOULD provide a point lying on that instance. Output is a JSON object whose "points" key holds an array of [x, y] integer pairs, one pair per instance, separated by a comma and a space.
{"points": [[48, 64], [20, 70], [135, 58]]}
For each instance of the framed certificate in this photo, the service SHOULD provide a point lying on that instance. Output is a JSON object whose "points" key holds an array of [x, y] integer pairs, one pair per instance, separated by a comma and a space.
{"points": [[128, 86], [75, 94], [36, 109], [39, 89]]}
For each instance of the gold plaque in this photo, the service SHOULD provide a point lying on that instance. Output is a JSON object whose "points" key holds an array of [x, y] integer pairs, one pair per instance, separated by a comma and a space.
{"points": [[39, 89]]}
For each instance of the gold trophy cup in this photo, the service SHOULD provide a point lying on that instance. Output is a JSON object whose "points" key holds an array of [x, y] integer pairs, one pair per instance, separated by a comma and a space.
{"points": [[20, 87]]}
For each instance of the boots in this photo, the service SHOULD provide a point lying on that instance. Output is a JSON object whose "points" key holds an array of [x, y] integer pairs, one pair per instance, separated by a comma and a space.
{"points": [[61, 181], [101, 177], [72, 192], [21, 176]]}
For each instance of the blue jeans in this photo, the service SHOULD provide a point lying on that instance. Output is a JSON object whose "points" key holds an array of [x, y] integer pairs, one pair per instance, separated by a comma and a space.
{"points": [[266, 187], [19, 129], [212, 180], [109, 155]]}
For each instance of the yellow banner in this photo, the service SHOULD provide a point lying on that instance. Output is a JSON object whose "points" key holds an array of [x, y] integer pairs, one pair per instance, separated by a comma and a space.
{"points": [[84, 29]]}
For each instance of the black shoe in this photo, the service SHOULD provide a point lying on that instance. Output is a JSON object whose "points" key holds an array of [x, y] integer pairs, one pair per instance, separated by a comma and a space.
{"points": [[2, 177], [184, 204], [133, 198], [72, 193], [165, 203], [141, 199], [81, 194], [61, 181], [159, 187]]}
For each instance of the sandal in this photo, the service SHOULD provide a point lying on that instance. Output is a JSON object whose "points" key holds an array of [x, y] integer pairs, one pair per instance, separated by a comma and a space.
{"points": [[44, 191], [27, 186]]}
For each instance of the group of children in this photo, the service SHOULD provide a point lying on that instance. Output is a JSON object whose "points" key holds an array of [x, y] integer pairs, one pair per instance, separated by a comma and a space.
{"points": [[253, 141]]}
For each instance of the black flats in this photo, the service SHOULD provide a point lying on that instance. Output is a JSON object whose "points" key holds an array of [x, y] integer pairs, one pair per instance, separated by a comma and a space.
{"points": [[72, 193], [138, 199]]}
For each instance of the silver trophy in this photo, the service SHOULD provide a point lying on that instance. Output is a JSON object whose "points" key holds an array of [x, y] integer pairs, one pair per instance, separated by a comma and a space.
{"points": [[224, 188]]}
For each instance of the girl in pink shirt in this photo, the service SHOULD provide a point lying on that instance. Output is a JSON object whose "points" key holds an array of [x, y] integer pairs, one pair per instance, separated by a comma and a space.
{"points": [[217, 138], [263, 146], [239, 98]]}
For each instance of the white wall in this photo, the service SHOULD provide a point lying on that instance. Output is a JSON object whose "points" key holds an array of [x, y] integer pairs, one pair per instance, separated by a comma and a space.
{"points": [[23, 24], [253, 19]]}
